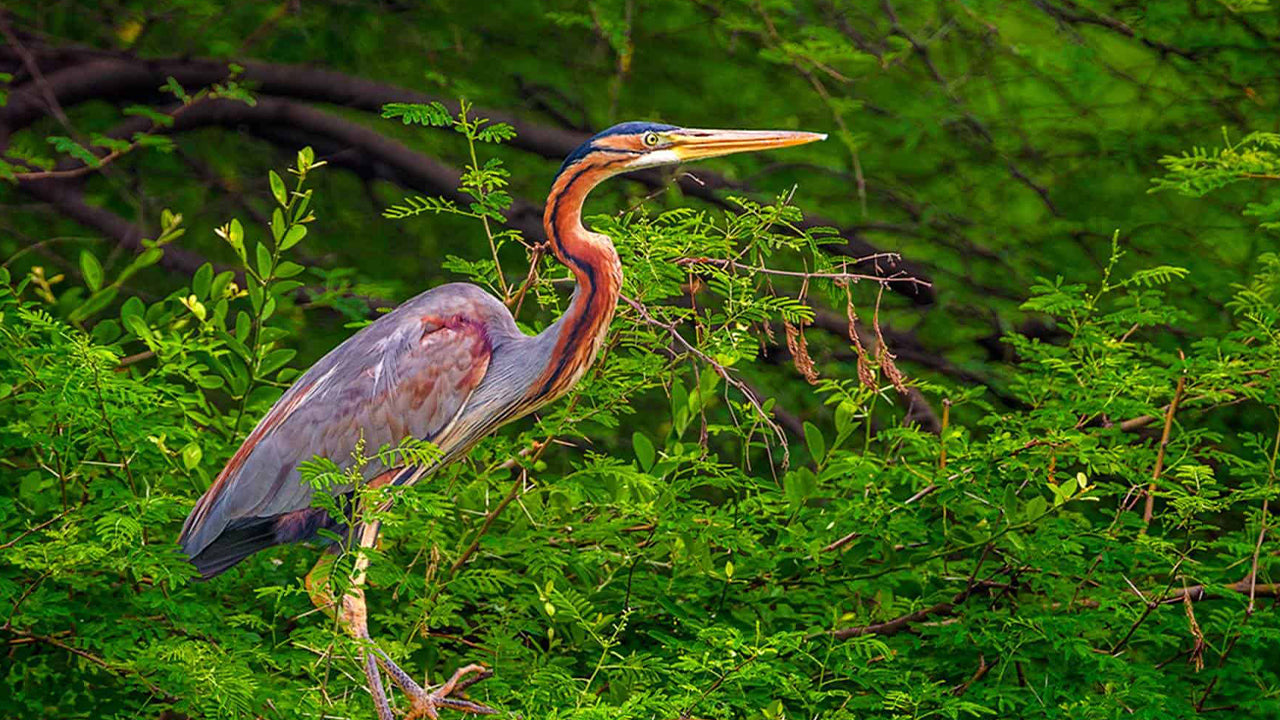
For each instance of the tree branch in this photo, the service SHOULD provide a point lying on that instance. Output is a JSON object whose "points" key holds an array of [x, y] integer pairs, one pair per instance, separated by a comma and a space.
{"points": [[117, 77]]}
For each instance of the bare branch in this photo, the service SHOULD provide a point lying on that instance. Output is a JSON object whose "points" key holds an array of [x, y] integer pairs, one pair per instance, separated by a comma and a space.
{"points": [[720, 370], [118, 77]]}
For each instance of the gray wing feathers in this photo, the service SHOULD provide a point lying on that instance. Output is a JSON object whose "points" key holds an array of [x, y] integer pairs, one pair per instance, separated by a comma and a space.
{"points": [[408, 374]]}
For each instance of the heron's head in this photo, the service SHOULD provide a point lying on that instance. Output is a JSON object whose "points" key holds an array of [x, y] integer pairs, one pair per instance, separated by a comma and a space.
{"points": [[635, 145]]}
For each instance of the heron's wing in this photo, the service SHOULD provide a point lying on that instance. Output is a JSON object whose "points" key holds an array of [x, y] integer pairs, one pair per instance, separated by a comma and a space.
{"points": [[408, 374]]}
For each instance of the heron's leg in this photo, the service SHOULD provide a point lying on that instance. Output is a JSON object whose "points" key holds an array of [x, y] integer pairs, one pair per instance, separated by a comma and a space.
{"points": [[352, 614]]}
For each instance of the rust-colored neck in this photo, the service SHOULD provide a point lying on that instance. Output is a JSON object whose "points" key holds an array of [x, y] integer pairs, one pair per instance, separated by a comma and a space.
{"points": [[594, 264]]}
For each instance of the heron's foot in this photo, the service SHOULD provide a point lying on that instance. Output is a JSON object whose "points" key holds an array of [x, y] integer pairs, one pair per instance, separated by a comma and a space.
{"points": [[427, 703]]}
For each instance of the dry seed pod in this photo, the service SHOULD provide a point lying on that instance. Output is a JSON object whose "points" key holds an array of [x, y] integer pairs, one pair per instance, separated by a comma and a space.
{"points": [[866, 375], [800, 352], [891, 370]]}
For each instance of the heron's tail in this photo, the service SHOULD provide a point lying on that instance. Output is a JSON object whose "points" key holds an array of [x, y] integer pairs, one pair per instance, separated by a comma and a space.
{"points": [[247, 536], [234, 545]]}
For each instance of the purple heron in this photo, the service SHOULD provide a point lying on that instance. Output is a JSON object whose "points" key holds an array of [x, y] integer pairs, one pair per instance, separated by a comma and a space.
{"points": [[448, 366]]}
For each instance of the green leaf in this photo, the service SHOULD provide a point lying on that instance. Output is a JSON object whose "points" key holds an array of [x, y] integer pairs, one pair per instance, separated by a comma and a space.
{"points": [[175, 88], [244, 325], [644, 450], [157, 118], [278, 189], [817, 444], [264, 260], [844, 418], [293, 236], [255, 294], [1010, 501], [800, 485], [147, 258], [287, 269], [209, 382], [91, 269], [237, 375], [432, 114], [201, 281], [679, 407], [1035, 507], [218, 287], [191, 455], [234, 235], [106, 331], [275, 360], [74, 149], [306, 158], [264, 395], [277, 225], [300, 210], [136, 325], [96, 303]]}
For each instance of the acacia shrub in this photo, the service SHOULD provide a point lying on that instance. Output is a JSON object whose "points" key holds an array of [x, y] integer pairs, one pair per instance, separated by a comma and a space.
{"points": [[654, 545]]}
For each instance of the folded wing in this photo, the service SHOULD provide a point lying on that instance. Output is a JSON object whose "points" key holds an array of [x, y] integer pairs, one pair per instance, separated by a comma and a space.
{"points": [[409, 374]]}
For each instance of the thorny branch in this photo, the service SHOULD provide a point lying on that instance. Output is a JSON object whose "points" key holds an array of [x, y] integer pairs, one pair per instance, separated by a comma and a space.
{"points": [[98, 75], [843, 276], [123, 671], [1164, 443], [719, 369]]}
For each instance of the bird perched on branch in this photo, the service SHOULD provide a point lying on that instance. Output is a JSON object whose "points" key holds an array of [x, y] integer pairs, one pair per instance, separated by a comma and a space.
{"points": [[449, 367]]}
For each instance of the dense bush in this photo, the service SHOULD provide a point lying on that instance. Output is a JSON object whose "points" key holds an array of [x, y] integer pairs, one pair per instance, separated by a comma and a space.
{"points": [[1014, 565], [1027, 469]]}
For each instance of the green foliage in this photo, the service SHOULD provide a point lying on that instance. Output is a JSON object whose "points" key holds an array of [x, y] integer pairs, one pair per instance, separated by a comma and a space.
{"points": [[1003, 568], [741, 512]]}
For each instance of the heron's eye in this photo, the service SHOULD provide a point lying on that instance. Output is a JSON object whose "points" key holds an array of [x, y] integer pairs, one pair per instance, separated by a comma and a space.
{"points": [[650, 139]]}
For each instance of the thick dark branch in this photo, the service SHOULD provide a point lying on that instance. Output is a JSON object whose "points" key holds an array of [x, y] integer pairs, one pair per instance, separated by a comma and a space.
{"points": [[1206, 592], [68, 200], [120, 78], [340, 142], [1079, 16], [902, 622]]}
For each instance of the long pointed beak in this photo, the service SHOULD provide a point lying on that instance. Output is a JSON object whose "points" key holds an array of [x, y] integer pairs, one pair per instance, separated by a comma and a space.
{"points": [[691, 144]]}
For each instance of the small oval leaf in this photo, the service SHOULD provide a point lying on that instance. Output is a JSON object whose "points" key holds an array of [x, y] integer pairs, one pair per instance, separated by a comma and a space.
{"points": [[91, 269], [644, 450]]}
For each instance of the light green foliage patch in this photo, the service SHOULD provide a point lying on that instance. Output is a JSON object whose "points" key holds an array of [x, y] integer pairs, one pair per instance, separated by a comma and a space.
{"points": [[748, 508]]}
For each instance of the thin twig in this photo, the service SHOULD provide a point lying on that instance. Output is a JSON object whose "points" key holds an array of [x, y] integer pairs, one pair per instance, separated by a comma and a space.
{"points": [[1262, 531], [836, 545], [1137, 423], [1164, 442], [521, 477], [942, 435], [29, 62], [716, 685], [517, 301], [981, 672], [722, 371], [726, 263], [1151, 606], [35, 529], [154, 689]]}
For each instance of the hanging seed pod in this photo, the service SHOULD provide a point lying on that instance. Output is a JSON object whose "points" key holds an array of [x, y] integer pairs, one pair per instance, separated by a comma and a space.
{"points": [[883, 356], [891, 371], [866, 375], [800, 352]]}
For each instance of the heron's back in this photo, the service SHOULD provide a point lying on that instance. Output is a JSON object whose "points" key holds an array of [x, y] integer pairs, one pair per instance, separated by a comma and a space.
{"points": [[409, 374]]}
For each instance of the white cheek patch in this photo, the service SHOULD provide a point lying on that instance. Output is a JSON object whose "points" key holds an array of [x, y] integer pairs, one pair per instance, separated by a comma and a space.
{"points": [[655, 158]]}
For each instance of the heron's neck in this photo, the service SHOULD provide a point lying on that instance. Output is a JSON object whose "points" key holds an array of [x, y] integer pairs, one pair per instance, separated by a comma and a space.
{"points": [[594, 263]]}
